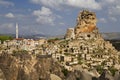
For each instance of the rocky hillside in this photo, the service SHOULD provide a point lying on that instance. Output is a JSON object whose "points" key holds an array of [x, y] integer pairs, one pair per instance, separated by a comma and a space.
{"points": [[82, 55], [85, 41], [23, 66]]}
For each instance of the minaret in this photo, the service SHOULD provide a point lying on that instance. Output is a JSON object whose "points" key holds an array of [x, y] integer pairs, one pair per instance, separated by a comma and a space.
{"points": [[16, 31]]}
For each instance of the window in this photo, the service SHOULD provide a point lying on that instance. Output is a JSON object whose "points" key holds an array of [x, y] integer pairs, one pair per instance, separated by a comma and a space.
{"points": [[88, 35]]}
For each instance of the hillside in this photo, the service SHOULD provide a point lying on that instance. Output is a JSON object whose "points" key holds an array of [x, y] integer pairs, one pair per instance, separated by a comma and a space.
{"points": [[83, 54]]}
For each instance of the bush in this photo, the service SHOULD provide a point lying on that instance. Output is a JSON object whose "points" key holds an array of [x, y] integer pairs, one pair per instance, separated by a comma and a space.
{"points": [[112, 70], [99, 68], [5, 37], [53, 39], [65, 71]]}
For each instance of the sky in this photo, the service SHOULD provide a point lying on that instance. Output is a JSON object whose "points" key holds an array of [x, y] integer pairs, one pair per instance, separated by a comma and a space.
{"points": [[53, 17]]}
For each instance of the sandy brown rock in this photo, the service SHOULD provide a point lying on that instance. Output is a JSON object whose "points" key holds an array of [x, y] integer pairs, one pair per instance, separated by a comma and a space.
{"points": [[86, 22], [28, 67]]}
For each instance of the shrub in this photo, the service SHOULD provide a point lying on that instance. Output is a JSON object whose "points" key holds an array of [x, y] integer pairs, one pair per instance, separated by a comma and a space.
{"points": [[65, 71], [4, 38]]}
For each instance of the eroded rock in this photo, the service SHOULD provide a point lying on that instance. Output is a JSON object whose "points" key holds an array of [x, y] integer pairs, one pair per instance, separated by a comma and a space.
{"points": [[28, 67]]}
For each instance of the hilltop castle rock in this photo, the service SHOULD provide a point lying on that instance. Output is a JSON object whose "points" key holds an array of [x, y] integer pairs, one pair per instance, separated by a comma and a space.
{"points": [[86, 23], [86, 41]]}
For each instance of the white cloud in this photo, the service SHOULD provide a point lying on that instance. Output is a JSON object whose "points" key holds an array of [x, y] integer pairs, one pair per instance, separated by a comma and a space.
{"points": [[7, 25], [102, 20], [6, 3], [109, 1], [9, 15], [90, 4], [106, 2], [113, 19], [44, 16], [48, 3], [114, 10], [62, 23], [44, 11], [112, 6]]}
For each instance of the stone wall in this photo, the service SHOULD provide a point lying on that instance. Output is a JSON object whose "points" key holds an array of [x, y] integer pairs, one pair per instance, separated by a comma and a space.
{"points": [[70, 33]]}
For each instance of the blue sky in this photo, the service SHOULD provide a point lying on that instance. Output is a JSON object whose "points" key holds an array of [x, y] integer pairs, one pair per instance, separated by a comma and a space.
{"points": [[53, 17]]}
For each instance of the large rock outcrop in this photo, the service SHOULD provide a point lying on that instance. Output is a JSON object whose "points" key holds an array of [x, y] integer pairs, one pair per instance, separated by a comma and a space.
{"points": [[23, 66], [86, 22], [88, 44]]}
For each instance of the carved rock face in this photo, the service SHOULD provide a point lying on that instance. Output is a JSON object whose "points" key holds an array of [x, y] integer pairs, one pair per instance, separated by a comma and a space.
{"points": [[88, 28], [24, 66], [86, 22]]}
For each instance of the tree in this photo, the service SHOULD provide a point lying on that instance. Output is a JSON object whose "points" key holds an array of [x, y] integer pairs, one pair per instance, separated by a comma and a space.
{"points": [[5, 37]]}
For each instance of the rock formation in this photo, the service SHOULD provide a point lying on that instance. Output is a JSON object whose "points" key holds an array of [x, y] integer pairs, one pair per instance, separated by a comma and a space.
{"points": [[106, 76], [22, 66], [117, 75], [88, 44], [2, 76], [86, 22]]}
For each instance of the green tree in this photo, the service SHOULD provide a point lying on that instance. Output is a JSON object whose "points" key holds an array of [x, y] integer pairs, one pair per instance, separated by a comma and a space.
{"points": [[65, 71], [5, 37]]}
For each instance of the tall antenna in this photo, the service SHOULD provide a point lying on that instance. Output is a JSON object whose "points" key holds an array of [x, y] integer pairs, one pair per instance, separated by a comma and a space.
{"points": [[16, 30]]}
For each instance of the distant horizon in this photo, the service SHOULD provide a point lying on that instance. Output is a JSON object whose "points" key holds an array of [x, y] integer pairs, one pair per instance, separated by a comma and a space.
{"points": [[44, 34]]}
